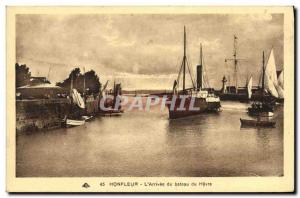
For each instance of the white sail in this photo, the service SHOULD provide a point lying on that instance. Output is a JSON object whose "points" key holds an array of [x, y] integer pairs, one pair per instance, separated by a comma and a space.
{"points": [[270, 86], [77, 99], [271, 76], [249, 87], [280, 91], [280, 87]]}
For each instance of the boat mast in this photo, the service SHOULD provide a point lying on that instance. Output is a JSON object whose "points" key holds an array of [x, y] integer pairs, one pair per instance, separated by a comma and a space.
{"points": [[48, 73], [235, 62], [263, 74], [200, 53], [71, 88], [184, 59], [83, 80]]}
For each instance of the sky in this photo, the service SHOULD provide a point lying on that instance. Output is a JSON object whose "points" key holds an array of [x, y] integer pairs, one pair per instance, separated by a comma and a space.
{"points": [[144, 51]]}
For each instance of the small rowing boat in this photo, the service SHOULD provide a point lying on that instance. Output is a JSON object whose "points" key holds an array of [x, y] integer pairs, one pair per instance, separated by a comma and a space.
{"points": [[71, 123], [257, 123]]}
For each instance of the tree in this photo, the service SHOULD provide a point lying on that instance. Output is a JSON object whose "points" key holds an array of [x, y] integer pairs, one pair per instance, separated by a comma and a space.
{"points": [[92, 82], [22, 75]]}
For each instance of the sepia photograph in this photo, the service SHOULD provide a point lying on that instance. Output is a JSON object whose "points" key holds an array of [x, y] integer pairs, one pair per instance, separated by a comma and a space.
{"points": [[151, 93]]}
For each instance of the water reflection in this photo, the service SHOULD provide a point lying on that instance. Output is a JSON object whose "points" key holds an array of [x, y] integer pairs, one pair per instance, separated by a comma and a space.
{"points": [[149, 144]]}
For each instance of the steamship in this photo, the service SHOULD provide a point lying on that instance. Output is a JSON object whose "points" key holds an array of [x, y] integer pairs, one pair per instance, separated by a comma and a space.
{"points": [[194, 100], [234, 92]]}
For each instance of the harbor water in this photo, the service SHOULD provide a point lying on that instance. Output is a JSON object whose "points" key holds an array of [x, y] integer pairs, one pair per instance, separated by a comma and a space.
{"points": [[144, 144]]}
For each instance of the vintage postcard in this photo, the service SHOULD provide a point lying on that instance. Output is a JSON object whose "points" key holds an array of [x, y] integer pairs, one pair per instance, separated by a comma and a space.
{"points": [[150, 99]]}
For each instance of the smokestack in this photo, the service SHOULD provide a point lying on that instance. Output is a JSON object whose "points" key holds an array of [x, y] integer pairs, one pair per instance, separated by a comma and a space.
{"points": [[199, 71], [199, 77]]}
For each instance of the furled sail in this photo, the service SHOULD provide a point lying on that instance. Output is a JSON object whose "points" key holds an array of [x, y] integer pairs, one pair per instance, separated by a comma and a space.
{"points": [[249, 87], [271, 76], [77, 99]]}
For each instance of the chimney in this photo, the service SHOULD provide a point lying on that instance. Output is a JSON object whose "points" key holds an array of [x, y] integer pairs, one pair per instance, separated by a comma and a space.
{"points": [[199, 77]]}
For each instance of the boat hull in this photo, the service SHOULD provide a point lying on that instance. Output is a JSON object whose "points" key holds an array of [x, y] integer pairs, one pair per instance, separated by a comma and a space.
{"points": [[256, 123], [72, 123], [234, 97], [264, 110], [261, 113], [200, 103], [112, 112], [280, 100]]}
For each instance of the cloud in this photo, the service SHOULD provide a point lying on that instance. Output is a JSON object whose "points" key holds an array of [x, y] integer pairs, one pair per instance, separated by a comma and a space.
{"points": [[145, 44]]}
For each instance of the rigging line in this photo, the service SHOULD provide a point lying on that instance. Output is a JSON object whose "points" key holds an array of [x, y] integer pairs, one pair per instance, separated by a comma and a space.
{"points": [[188, 58], [192, 78], [237, 73], [180, 69], [260, 79], [203, 68], [205, 72], [267, 60], [190, 73], [206, 82], [178, 77], [228, 72]]}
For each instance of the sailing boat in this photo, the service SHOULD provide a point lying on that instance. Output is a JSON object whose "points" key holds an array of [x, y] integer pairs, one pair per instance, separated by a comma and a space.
{"points": [[280, 80], [246, 96], [280, 87], [264, 108], [77, 105], [111, 102], [77, 99], [194, 100], [265, 105], [271, 82], [249, 88], [233, 92]]}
